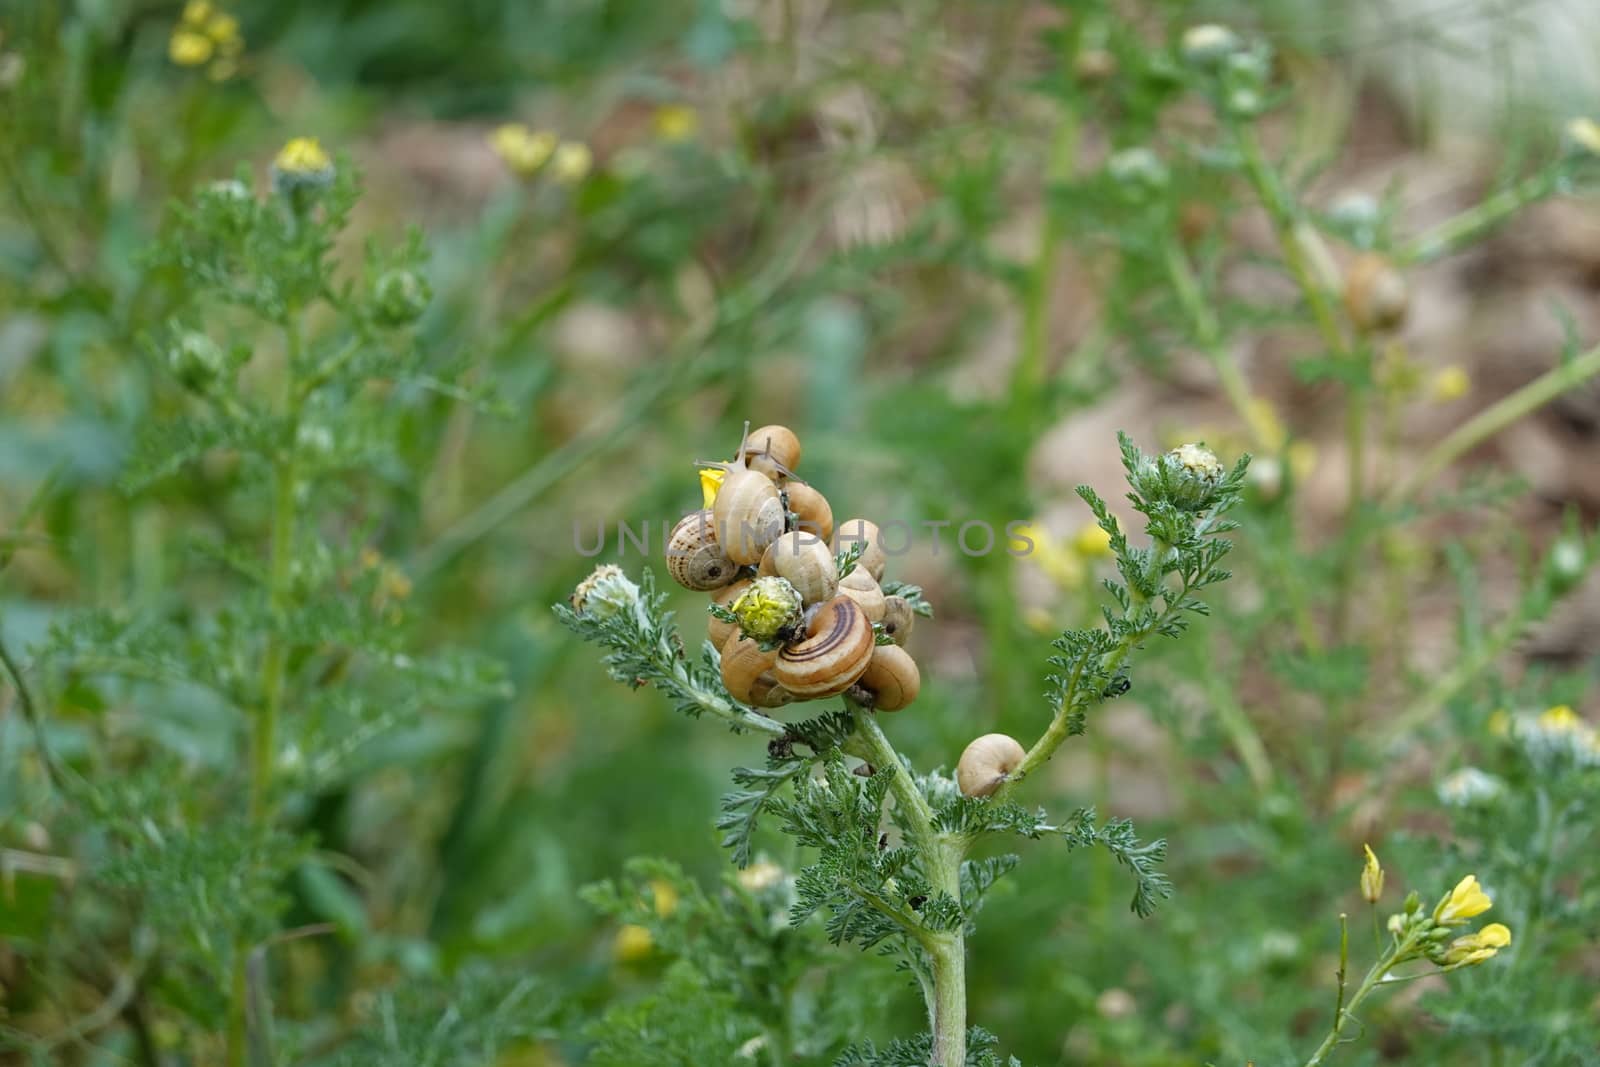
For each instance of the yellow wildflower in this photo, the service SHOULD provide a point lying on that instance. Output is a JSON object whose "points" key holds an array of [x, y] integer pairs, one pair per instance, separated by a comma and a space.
{"points": [[710, 482], [224, 33], [1467, 900], [676, 122], [1371, 877], [189, 49], [571, 162], [196, 12], [1450, 383], [1092, 542], [665, 897], [1039, 620], [1583, 134], [1560, 719], [1499, 724], [1475, 948], [303, 157], [632, 943], [522, 149], [762, 874], [1059, 562]]}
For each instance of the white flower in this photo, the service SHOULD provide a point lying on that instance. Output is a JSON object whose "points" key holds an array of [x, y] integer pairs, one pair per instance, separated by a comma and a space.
{"points": [[1469, 787]]}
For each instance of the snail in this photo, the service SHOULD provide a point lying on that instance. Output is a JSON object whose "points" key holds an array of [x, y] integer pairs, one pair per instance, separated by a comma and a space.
{"points": [[897, 618], [748, 514], [716, 629], [694, 559], [772, 450], [861, 587], [873, 558], [987, 763], [1376, 295], [811, 509], [832, 653], [747, 673], [807, 564], [891, 677]]}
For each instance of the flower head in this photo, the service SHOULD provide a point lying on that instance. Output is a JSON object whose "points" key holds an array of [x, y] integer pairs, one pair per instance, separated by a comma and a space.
{"points": [[770, 606], [1188, 476], [523, 150], [400, 297], [1208, 45], [301, 166], [1466, 901], [760, 875], [676, 122], [710, 482], [571, 162], [1092, 542], [1475, 947], [205, 35], [1469, 787], [1371, 877], [1583, 137], [633, 943], [1450, 383], [605, 593], [664, 896]]}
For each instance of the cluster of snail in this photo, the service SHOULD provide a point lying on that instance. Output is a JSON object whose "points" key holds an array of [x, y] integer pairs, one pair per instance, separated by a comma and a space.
{"points": [[788, 625]]}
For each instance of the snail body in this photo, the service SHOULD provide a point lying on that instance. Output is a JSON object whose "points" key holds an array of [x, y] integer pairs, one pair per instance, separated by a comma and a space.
{"points": [[695, 560], [897, 618], [986, 764], [891, 677], [834, 651]]}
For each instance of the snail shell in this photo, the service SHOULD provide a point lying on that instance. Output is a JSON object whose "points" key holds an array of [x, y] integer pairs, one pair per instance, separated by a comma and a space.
{"points": [[748, 515], [807, 564], [898, 617], [861, 587], [694, 559], [1376, 294], [892, 678], [716, 629], [836, 649], [772, 450], [811, 508], [986, 762], [747, 673], [873, 558]]}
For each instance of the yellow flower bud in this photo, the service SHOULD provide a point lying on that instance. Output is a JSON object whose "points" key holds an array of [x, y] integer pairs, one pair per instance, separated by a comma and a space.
{"points": [[770, 606], [676, 122], [1092, 542], [1371, 877], [1477, 947], [189, 49], [665, 897], [632, 944], [1451, 383], [571, 162], [523, 151], [1467, 900]]}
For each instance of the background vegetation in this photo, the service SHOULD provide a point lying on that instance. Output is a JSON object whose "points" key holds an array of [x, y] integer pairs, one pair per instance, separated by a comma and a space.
{"points": [[955, 246]]}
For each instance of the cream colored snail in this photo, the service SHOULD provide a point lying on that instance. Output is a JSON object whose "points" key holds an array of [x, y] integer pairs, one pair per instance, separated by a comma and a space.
{"points": [[810, 509], [861, 587], [806, 562], [748, 514], [987, 763], [859, 531], [772, 450], [897, 618], [1376, 295], [833, 652], [891, 677], [747, 673], [694, 559]]}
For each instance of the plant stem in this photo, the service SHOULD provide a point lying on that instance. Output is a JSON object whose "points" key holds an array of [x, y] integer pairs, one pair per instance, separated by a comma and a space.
{"points": [[30, 712], [1373, 979], [1476, 220], [1498, 416]]}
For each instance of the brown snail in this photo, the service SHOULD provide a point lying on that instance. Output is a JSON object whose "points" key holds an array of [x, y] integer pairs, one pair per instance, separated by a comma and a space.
{"points": [[717, 630], [897, 618], [747, 514], [748, 675], [772, 450], [891, 677], [811, 509], [694, 558], [986, 764], [860, 531], [861, 587], [806, 562], [1376, 295], [833, 652]]}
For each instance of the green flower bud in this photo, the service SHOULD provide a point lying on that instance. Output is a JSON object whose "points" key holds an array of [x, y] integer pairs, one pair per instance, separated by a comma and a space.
{"points": [[196, 360], [301, 170], [1186, 477], [605, 594], [770, 606], [400, 297], [1567, 564], [1413, 902]]}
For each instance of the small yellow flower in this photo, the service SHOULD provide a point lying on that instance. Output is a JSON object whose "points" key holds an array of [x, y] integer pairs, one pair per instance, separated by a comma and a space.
{"points": [[1371, 877], [196, 12], [1450, 383], [1560, 719], [760, 875], [1467, 900], [189, 49], [1477, 947], [1499, 724], [224, 32], [665, 897], [676, 122], [522, 149], [632, 944], [571, 162], [303, 157], [710, 482], [1092, 542], [1583, 134]]}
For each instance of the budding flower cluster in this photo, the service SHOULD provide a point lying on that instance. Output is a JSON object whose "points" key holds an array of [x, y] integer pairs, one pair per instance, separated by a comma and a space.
{"points": [[1188, 477], [400, 297], [606, 593], [767, 608], [301, 167], [1432, 934]]}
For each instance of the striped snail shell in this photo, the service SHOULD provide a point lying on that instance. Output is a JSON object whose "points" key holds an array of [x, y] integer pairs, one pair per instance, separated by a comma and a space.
{"points": [[861, 587], [772, 450], [748, 514], [747, 673], [694, 559], [891, 677], [806, 563], [716, 629], [811, 509], [897, 618], [835, 650]]}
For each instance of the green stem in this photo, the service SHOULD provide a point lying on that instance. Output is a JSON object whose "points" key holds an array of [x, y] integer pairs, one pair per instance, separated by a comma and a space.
{"points": [[1482, 217], [30, 712], [1498, 416], [1347, 1009]]}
